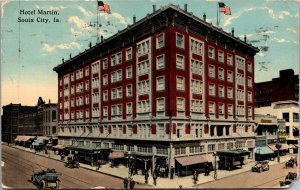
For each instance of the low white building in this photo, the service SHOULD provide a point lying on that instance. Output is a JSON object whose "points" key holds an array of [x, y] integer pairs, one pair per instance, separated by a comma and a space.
{"points": [[287, 110]]}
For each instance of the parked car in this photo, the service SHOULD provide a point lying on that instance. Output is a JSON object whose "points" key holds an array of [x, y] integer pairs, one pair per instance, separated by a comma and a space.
{"points": [[261, 166]]}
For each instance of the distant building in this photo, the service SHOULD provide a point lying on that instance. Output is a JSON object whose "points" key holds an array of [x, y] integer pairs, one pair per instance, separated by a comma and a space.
{"points": [[167, 87], [285, 87]]}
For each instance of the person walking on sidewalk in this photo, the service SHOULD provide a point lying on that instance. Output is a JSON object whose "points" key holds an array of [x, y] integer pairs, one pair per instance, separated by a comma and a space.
{"points": [[154, 177], [125, 182], [172, 172]]}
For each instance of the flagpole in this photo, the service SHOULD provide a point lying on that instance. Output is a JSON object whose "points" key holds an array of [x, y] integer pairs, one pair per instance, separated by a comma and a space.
{"points": [[97, 22]]}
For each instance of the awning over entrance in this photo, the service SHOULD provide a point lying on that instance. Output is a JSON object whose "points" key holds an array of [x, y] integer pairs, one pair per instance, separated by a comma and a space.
{"points": [[25, 138], [264, 150], [117, 154], [195, 159], [59, 146], [233, 153]]}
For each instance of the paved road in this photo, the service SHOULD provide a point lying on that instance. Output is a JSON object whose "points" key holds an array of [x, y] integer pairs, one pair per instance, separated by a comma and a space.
{"points": [[19, 166], [266, 179]]}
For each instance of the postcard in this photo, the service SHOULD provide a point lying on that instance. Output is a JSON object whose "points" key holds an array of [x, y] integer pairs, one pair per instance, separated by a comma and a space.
{"points": [[149, 94]]}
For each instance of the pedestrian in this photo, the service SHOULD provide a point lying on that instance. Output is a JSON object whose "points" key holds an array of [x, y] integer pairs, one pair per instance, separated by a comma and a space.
{"points": [[146, 177], [172, 172], [125, 182], [167, 171], [195, 176], [131, 183], [154, 177]]}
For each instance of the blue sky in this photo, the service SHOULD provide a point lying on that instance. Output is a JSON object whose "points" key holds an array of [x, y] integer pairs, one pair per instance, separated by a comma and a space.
{"points": [[272, 26]]}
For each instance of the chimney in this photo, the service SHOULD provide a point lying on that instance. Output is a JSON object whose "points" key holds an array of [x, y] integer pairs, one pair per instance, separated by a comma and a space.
{"points": [[101, 38], [185, 7], [70, 56], [232, 31], [154, 8], [245, 38], [134, 19], [90, 44], [204, 17], [63, 60]]}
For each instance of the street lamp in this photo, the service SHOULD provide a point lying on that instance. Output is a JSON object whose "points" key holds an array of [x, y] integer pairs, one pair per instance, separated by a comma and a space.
{"points": [[215, 168], [278, 147]]}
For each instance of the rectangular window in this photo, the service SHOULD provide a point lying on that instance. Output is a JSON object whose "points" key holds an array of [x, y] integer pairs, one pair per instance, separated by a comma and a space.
{"points": [[249, 111], [211, 90], [105, 63], [197, 67], [160, 62], [129, 54], [229, 59], [230, 109], [180, 62], [128, 90], [105, 80], [128, 72], [221, 74], [160, 104], [160, 41], [229, 76], [196, 47], [221, 91], [197, 87], [286, 116], [249, 96], [221, 109], [211, 52], [114, 93], [180, 83], [295, 117], [180, 104], [221, 56], [212, 108], [229, 92], [249, 67], [129, 108], [105, 95], [211, 71], [160, 83], [105, 111], [211, 147], [179, 40], [249, 82]]}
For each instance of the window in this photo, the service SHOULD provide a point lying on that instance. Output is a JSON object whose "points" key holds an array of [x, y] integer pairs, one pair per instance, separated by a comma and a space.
{"points": [[211, 90], [229, 59], [180, 104], [197, 67], [87, 100], [129, 54], [249, 82], [197, 87], [160, 41], [105, 95], [128, 72], [114, 93], [87, 86], [230, 109], [143, 68], [211, 71], [105, 111], [105, 64], [160, 83], [160, 106], [211, 52], [162, 150], [105, 80], [180, 83], [212, 108], [197, 106], [221, 56], [160, 61], [295, 117], [116, 59], [180, 150], [129, 108], [211, 147], [249, 67], [72, 77], [87, 71], [196, 47], [286, 117], [129, 90], [119, 92], [249, 111], [179, 40], [221, 109], [180, 62], [221, 74], [229, 92], [221, 91], [229, 76], [249, 96], [143, 48]]}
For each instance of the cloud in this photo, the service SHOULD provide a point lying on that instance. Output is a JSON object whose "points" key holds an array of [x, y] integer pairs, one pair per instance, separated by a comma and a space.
{"points": [[77, 21], [58, 8], [228, 20], [64, 46], [120, 18], [260, 54], [85, 12], [280, 40], [247, 35], [293, 30], [279, 15], [75, 33]]}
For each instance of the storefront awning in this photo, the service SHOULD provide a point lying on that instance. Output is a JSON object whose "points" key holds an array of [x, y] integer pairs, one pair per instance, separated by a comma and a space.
{"points": [[42, 138], [19, 138], [233, 153], [26, 138], [283, 147], [264, 150], [195, 159], [59, 146], [117, 154], [38, 142], [89, 149]]}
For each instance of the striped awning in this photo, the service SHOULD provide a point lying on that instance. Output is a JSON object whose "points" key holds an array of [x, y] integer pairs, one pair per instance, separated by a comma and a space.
{"points": [[195, 159], [264, 150]]}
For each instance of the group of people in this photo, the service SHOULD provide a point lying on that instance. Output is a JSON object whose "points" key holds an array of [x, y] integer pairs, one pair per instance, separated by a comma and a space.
{"points": [[128, 183]]}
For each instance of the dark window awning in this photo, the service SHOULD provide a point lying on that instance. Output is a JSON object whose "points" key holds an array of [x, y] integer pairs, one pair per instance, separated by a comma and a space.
{"points": [[195, 159], [263, 150], [117, 154], [233, 153]]}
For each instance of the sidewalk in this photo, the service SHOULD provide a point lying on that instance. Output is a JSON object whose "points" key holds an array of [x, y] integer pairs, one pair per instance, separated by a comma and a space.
{"points": [[185, 182]]}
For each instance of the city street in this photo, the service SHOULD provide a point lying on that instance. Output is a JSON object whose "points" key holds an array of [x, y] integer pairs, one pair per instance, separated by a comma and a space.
{"points": [[20, 165]]}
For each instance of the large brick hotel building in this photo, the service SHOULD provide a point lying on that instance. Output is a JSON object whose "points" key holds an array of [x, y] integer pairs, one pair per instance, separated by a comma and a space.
{"points": [[170, 88]]}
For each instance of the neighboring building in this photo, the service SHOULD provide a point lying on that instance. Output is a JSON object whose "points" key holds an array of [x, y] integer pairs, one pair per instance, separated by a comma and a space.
{"points": [[18, 120], [286, 87], [167, 87], [289, 111]]}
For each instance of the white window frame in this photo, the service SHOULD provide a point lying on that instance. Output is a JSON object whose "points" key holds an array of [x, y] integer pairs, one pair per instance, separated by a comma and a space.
{"points": [[211, 89], [182, 44], [180, 64], [180, 79], [160, 87], [129, 54], [158, 43], [160, 64]]}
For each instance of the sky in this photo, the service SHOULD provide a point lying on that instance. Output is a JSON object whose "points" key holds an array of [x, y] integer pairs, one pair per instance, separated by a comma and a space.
{"points": [[30, 50]]}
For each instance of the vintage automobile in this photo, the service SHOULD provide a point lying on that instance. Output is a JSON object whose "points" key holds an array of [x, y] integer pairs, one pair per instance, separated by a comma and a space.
{"points": [[288, 179], [261, 166], [71, 163], [291, 162], [45, 179]]}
